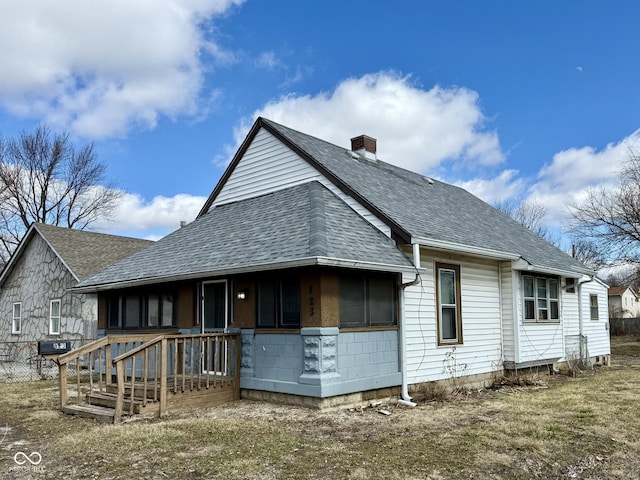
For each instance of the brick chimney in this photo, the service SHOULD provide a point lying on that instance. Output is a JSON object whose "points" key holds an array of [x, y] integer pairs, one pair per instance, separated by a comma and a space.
{"points": [[364, 146]]}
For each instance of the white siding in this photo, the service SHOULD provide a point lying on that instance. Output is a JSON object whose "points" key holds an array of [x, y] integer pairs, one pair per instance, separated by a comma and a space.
{"points": [[507, 298], [542, 341], [481, 325], [538, 342], [268, 166], [596, 331]]}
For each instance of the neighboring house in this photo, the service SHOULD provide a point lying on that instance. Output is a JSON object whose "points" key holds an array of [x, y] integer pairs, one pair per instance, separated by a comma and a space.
{"points": [[623, 302], [35, 301], [345, 274]]}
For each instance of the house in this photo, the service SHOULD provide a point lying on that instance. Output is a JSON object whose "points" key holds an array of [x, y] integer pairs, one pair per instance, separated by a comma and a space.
{"points": [[35, 301], [623, 302], [346, 277]]}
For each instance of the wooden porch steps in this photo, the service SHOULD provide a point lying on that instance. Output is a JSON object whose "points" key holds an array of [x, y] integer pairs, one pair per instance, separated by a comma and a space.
{"points": [[108, 400], [101, 414], [153, 374]]}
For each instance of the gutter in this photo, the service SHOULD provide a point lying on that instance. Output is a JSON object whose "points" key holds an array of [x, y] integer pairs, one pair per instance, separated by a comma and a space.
{"points": [[301, 262], [468, 249], [405, 398]]}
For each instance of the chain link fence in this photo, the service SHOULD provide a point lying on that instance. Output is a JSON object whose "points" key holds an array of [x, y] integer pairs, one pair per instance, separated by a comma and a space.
{"points": [[20, 361]]}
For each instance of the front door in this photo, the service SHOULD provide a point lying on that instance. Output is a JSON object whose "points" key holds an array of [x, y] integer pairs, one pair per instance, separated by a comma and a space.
{"points": [[214, 319], [214, 306]]}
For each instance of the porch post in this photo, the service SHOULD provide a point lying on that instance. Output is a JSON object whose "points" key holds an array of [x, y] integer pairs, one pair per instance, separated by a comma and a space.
{"points": [[320, 355]]}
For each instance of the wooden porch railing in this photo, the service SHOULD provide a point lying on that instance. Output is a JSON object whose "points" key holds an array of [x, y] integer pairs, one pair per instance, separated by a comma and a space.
{"points": [[151, 369], [92, 363], [173, 364]]}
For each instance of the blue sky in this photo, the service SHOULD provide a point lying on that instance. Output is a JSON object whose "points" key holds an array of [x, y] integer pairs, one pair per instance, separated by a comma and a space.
{"points": [[509, 99]]}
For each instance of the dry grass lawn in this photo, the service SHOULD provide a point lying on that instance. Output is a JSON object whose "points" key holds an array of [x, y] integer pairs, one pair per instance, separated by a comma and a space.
{"points": [[587, 427]]}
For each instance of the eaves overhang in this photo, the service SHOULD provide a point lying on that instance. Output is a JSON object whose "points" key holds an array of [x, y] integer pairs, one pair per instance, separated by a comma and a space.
{"points": [[302, 262], [518, 262], [464, 249], [572, 272]]}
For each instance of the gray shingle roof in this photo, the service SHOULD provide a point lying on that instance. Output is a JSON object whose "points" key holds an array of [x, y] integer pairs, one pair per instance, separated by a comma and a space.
{"points": [[424, 208], [297, 224], [86, 253]]}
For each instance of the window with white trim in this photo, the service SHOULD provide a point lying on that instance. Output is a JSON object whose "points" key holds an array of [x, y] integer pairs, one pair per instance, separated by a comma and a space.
{"points": [[54, 317], [449, 304], [541, 299], [593, 306], [16, 321]]}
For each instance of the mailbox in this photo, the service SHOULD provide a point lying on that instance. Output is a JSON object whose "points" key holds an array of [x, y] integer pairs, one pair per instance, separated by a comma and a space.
{"points": [[54, 348]]}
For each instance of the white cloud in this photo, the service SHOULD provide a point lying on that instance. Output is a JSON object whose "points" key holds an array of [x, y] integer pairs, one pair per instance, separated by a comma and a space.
{"points": [[98, 68], [268, 60], [572, 171], [505, 186], [417, 129], [138, 217]]}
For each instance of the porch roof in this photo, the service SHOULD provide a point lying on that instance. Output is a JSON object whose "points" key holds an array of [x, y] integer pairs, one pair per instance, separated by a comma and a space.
{"points": [[297, 226]]}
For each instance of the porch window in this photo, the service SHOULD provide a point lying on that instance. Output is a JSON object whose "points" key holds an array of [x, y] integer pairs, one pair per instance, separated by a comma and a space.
{"points": [[16, 323], [541, 299], [593, 304], [159, 310], [367, 301], [278, 303], [140, 311], [449, 304], [54, 317]]}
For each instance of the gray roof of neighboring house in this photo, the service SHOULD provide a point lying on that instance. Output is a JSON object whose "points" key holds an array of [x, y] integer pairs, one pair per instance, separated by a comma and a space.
{"points": [[417, 207], [84, 253], [292, 227]]}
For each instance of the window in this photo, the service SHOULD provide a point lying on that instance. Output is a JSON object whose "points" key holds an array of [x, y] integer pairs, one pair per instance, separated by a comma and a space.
{"points": [[449, 304], [571, 285], [54, 317], [16, 322], [154, 310], [541, 299], [593, 304], [278, 303], [367, 301]]}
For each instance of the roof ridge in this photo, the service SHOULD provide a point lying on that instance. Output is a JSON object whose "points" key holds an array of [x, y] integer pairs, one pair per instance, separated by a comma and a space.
{"points": [[39, 225], [390, 167]]}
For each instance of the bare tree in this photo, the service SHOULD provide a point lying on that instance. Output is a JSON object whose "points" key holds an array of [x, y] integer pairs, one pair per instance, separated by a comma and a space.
{"points": [[529, 213], [610, 216], [44, 178], [587, 252]]}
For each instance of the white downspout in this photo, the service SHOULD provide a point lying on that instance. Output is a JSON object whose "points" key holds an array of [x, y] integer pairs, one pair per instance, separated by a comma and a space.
{"points": [[405, 398]]}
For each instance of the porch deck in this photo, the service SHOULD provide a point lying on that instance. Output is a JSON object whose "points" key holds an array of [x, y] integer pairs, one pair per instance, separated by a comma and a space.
{"points": [[153, 375]]}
